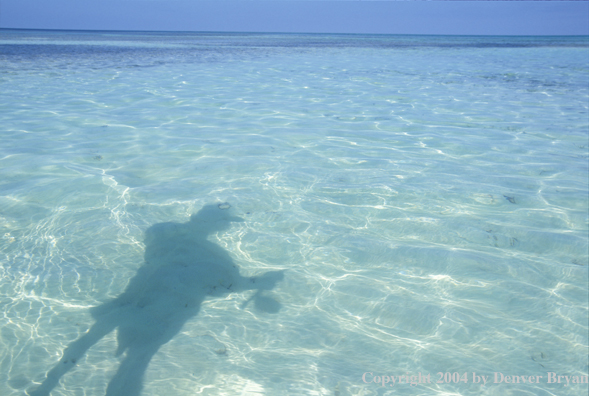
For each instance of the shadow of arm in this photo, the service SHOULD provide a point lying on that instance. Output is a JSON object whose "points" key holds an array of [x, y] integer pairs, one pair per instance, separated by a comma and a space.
{"points": [[266, 281]]}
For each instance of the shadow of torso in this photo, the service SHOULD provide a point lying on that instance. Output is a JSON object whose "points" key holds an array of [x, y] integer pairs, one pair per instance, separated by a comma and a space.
{"points": [[181, 269]]}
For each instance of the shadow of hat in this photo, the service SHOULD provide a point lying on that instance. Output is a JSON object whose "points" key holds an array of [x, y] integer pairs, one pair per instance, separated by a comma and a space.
{"points": [[214, 214]]}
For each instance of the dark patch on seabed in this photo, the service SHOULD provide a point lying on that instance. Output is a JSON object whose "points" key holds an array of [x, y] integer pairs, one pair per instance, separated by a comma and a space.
{"points": [[510, 199]]}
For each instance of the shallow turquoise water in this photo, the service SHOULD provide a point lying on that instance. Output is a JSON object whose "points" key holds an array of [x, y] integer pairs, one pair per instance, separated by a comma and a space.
{"points": [[424, 201]]}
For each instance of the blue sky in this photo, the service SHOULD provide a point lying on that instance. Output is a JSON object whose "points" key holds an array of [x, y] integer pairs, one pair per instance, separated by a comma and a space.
{"points": [[310, 16]]}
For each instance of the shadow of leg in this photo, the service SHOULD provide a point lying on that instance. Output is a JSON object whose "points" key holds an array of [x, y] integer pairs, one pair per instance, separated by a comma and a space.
{"points": [[128, 380], [70, 357]]}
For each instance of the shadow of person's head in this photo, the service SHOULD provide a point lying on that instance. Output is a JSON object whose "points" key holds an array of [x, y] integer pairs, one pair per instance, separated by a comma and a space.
{"points": [[213, 218]]}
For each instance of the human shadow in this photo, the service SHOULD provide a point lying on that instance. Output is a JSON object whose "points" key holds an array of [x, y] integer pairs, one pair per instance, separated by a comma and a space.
{"points": [[182, 268]]}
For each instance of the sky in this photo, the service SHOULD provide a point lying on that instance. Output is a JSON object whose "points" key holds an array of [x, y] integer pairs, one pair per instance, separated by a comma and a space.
{"points": [[304, 16]]}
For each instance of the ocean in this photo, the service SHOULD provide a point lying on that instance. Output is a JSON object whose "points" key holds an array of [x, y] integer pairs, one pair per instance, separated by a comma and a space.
{"points": [[291, 214]]}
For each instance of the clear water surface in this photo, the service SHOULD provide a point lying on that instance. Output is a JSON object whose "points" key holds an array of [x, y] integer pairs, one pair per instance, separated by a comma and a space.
{"points": [[260, 214]]}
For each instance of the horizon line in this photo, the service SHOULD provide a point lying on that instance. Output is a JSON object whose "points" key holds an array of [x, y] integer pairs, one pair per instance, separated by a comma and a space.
{"points": [[295, 33]]}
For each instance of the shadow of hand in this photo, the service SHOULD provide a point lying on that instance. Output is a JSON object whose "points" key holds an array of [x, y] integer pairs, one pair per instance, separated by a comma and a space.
{"points": [[261, 283]]}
